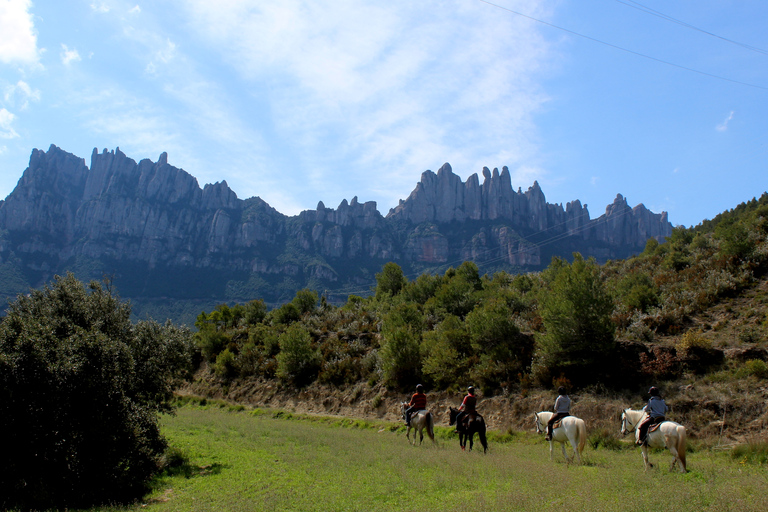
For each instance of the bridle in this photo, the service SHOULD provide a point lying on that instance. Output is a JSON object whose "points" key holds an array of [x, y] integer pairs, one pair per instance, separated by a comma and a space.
{"points": [[539, 429], [626, 425]]}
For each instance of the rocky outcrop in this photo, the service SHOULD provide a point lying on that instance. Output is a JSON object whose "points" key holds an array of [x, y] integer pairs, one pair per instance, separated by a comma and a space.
{"points": [[443, 198], [151, 215]]}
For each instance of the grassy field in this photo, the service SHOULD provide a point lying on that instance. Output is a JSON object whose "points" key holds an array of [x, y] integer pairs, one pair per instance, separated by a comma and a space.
{"points": [[255, 460]]}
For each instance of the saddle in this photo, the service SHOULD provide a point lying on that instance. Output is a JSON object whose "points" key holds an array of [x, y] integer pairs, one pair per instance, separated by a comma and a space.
{"points": [[654, 428]]}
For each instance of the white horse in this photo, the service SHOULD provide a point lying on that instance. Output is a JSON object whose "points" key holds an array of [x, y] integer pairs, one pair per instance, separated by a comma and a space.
{"points": [[669, 435], [420, 420], [571, 429]]}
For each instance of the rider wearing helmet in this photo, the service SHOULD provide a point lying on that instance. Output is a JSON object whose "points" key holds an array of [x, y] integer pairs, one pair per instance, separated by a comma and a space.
{"points": [[656, 409], [417, 403], [562, 409], [468, 405]]}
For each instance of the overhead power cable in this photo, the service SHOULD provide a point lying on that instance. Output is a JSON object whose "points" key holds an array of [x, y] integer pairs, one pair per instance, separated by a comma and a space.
{"points": [[627, 50], [653, 12]]}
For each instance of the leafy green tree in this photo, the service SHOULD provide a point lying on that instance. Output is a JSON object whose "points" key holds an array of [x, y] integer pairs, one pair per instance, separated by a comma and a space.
{"points": [[503, 352], [286, 314], [305, 301], [576, 312], [637, 291], [298, 362], [255, 311], [80, 392], [390, 281], [400, 348], [444, 353]]}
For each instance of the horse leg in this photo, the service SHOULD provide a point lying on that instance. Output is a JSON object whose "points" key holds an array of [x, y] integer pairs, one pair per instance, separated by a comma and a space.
{"points": [[421, 436], [565, 453], [471, 440], [551, 448], [575, 450], [645, 457]]}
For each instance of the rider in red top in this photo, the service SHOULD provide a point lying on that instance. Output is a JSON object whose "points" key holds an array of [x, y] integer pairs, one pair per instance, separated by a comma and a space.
{"points": [[418, 402], [468, 405]]}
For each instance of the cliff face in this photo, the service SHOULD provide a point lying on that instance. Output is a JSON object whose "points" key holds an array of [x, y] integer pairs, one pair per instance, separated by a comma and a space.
{"points": [[119, 215]]}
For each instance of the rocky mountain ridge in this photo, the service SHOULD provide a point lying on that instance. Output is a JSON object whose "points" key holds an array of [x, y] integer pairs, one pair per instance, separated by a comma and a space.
{"points": [[159, 234]]}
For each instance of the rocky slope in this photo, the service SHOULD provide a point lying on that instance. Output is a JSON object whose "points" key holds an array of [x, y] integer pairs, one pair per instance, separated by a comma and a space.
{"points": [[152, 228]]}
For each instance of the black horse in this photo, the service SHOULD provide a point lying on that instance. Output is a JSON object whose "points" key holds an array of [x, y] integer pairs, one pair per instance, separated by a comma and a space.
{"points": [[470, 424]]}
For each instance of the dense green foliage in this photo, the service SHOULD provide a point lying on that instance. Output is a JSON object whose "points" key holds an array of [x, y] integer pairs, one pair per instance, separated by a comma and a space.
{"points": [[502, 332], [80, 392]]}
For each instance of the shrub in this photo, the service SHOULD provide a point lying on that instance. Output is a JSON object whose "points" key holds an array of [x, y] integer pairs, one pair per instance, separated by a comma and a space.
{"points": [[297, 362], [225, 364], [81, 389], [757, 367], [755, 452], [691, 341], [604, 438]]}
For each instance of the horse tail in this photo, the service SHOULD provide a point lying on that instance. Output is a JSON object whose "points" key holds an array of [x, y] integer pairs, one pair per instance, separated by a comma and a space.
{"points": [[431, 426], [481, 434], [681, 443], [581, 432]]}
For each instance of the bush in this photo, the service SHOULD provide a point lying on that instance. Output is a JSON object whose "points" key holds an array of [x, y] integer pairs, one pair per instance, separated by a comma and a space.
{"points": [[297, 362], [757, 367], [80, 392]]}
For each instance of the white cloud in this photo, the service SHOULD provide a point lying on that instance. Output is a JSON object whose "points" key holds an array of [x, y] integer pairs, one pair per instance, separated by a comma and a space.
{"points": [[18, 43], [724, 125], [6, 120], [135, 10], [68, 56], [403, 86], [100, 7], [161, 57], [19, 95]]}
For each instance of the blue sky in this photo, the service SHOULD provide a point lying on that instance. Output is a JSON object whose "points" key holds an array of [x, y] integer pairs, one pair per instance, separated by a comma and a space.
{"points": [[305, 101]]}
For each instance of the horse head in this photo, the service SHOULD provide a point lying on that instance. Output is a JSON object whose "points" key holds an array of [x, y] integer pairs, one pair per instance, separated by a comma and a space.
{"points": [[537, 421], [452, 415]]}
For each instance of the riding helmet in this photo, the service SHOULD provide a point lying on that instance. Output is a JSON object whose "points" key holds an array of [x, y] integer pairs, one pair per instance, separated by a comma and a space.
{"points": [[471, 389], [654, 391], [561, 390], [419, 387]]}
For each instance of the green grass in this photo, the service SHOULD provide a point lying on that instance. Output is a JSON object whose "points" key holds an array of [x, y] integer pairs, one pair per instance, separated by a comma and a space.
{"points": [[260, 460]]}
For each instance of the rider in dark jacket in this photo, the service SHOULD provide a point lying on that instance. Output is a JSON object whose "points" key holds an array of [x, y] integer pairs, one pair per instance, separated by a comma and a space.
{"points": [[418, 402], [656, 409], [562, 409]]}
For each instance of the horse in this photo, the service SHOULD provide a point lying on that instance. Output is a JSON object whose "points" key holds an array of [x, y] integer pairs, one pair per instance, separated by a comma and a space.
{"points": [[420, 420], [669, 435], [472, 423], [571, 429]]}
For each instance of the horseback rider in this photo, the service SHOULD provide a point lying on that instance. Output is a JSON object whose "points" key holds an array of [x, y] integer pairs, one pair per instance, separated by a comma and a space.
{"points": [[562, 409], [468, 406], [417, 403], [656, 409]]}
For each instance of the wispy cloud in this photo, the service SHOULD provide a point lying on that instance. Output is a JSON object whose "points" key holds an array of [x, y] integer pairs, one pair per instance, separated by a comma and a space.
{"points": [[20, 95], [404, 86], [18, 43], [69, 56], [724, 125], [6, 128], [100, 7]]}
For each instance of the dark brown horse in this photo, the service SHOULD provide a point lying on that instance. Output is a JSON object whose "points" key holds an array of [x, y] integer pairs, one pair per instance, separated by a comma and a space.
{"points": [[470, 424]]}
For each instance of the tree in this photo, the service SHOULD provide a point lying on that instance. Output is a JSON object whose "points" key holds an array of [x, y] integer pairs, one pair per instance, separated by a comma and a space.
{"points": [[390, 280], [297, 362], [80, 392], [576, 313], [400, 347]]}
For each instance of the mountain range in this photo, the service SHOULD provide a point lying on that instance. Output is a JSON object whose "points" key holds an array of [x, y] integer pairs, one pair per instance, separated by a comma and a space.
{"points": [[175, 249]]}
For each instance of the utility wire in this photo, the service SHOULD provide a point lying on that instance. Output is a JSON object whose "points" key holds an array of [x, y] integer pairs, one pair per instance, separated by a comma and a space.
{"points": [[611, 45], [653, 12]]}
